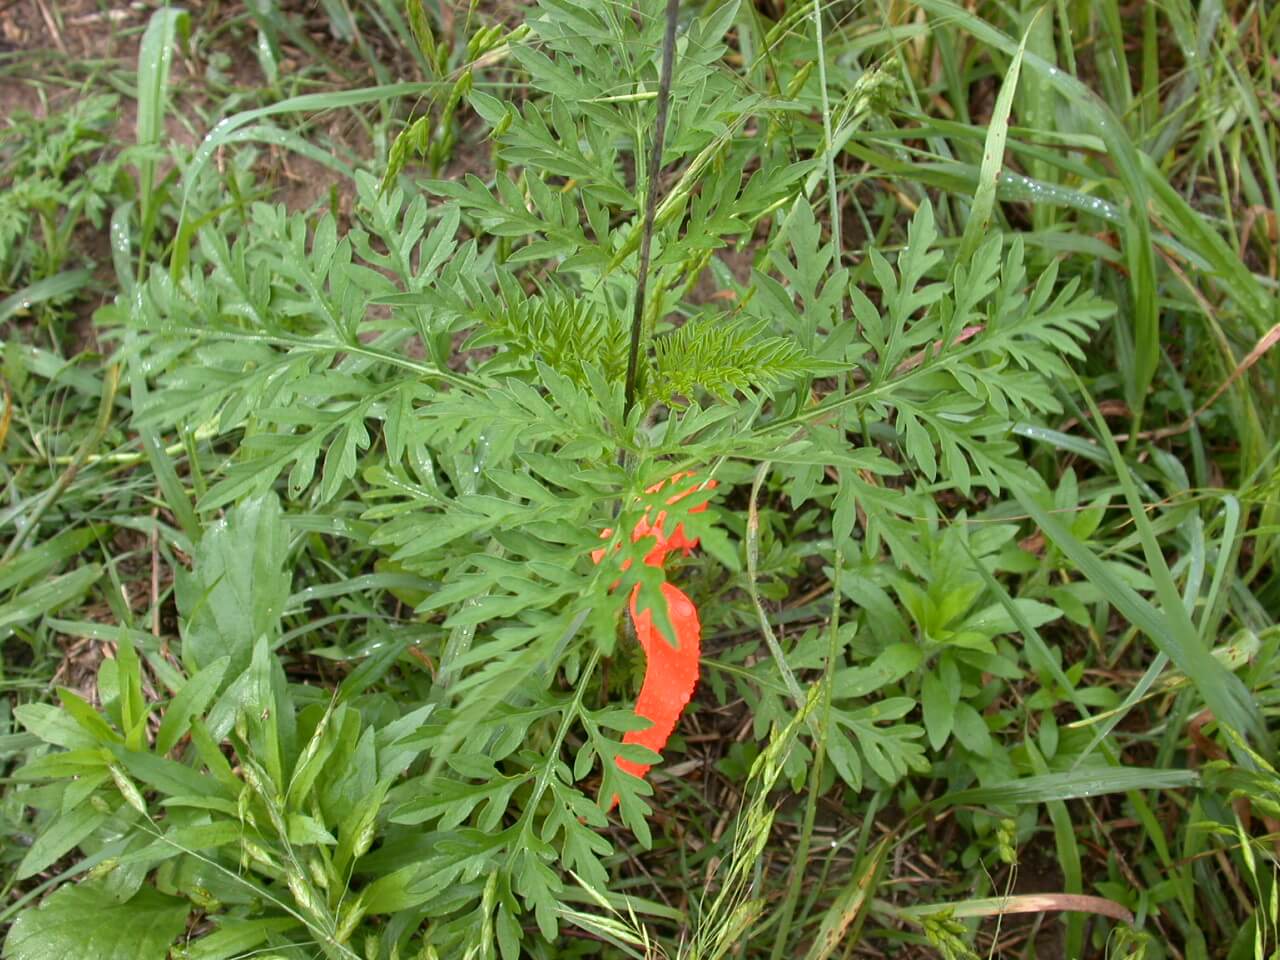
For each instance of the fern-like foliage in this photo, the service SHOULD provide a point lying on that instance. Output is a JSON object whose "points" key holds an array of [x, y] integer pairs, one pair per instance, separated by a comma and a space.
{"points": [[722, 356], [565, 331], [956, 357]]}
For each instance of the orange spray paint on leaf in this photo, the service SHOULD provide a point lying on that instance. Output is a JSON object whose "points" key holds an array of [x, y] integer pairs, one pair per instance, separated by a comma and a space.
{"points": [[671, 672]]}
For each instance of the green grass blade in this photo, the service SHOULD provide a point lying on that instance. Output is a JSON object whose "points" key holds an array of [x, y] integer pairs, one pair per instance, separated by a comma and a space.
{"points": [[1196, 233], [1222, 691], [166, 473], [984, 198], [155, 57], [266, 133], [1136, 695], [38, 600], [1070, 786], [50, 288], [1227, 552]]}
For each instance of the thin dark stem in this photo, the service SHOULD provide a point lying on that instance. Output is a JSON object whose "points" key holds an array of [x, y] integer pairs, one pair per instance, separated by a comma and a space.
{"points": [[651, 199]]}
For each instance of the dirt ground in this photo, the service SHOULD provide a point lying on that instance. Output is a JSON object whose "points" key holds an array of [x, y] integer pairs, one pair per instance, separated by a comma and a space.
{"points": [[52, 51], [36, 33]]}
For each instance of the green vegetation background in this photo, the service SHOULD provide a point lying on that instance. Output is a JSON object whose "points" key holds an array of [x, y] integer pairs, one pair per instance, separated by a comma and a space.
{"points": [[315, 323]]}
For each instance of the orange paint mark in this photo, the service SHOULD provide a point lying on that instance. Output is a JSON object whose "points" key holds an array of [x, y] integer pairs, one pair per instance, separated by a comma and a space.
{"points": [[671, 672]]}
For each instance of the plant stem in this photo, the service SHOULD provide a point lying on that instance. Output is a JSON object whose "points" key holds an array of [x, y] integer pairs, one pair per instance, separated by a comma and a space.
{"points": [[651, 200], [829, 162]]}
